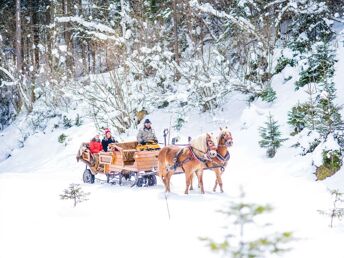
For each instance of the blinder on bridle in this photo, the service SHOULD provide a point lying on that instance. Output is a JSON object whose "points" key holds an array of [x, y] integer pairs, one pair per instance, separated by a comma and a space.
{"points": [[211, 148], [227, 136]]}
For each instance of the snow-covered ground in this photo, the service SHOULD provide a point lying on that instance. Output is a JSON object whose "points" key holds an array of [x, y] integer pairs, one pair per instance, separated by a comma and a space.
{"points": [[133, 222]]}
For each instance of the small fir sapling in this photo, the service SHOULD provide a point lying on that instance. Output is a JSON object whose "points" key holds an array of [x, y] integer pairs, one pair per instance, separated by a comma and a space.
{"points": [[334, 212], [243, 218], [75, 193], [271, 137]]}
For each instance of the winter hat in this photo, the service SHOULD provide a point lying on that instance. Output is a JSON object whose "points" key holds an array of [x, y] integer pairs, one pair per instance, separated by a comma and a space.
{"points": [[147, 121], [107, 130]]}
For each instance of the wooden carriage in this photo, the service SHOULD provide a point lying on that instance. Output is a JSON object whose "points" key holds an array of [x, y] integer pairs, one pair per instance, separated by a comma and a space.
{"points": [[126, 161]]}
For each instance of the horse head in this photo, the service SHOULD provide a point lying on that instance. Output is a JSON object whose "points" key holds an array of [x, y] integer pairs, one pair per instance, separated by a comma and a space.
{"points": [[225, 137], [212, 144]]}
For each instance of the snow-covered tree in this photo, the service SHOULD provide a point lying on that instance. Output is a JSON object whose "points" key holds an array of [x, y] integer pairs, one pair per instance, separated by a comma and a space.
{"points": [[296, 117], [271, 137]]}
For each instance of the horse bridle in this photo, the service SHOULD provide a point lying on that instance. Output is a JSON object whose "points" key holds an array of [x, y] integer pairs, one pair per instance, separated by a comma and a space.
{"points": [[228, 140]]}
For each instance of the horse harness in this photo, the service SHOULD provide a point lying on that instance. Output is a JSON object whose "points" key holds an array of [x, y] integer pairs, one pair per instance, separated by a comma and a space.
{"points": [[194, 156]]}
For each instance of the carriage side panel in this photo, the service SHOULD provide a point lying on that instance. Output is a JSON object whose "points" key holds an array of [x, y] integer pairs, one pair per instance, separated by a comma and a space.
{"points": [[146, 160]]}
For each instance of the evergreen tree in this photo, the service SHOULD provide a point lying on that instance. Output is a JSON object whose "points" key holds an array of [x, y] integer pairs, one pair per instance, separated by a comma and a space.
{"points": [[328, 113], [296, 117], [335, 212], [271, 137], [237, 245], [75, 193]]}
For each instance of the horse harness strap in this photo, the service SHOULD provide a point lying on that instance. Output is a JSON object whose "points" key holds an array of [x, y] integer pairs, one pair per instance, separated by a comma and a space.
{"points": [[177, 163], [197, 157], [192, 156], [223, 158]]}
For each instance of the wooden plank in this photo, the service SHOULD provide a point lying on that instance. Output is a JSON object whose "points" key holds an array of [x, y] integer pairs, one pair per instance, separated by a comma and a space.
{"points": [[147, 153], [146, 162]]}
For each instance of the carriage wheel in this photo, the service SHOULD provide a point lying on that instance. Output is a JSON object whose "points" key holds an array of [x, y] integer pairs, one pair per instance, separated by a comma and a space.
{"points": [[88, 177], [151, 180], [140, 182]]}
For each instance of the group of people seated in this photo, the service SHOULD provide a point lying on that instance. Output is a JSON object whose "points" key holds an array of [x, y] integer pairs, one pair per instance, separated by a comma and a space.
{"points": [[144, 136]]}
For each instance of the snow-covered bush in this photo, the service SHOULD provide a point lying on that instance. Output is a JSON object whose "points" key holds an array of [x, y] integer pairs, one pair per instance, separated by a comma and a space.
{"points": [[62, 138], [297, 117], [332, 162], [282, 62]]}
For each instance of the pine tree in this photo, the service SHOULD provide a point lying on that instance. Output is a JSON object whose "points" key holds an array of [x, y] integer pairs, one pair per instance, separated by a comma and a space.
{"points": [[237, 245], [271, 137], [75, 193], [328, 113], [296, 117]]}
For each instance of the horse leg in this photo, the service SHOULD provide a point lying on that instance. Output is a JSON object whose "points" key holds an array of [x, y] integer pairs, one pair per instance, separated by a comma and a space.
{"points": [[188, 177], [191, 183], [215, 186], [200, 180], [218, 179], [168, 180]]}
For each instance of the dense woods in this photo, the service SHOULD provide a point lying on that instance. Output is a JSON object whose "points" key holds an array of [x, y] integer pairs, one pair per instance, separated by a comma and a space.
{"points": [[155, 48]]}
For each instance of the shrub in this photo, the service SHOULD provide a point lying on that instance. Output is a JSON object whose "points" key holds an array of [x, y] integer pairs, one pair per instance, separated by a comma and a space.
{"points": [[282, 62], [268, 94], [67, 123], [78, 120], [332, 162], [62, 138]]}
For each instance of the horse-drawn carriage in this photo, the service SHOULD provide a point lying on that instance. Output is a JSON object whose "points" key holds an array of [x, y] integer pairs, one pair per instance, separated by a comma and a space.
{"points": [[124, 163], [135, 164]]}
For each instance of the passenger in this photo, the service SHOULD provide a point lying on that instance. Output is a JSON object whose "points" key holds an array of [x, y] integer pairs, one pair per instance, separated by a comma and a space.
{"points": [[107, 140], [146, 134], [95, 145]]}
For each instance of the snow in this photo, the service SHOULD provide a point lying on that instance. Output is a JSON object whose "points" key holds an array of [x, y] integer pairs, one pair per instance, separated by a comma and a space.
{"points": [[116, 219], [119, 221]]}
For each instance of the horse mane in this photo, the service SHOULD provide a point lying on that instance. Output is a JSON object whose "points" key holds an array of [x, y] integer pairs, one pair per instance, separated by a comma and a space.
{"points": [[200, 142]]}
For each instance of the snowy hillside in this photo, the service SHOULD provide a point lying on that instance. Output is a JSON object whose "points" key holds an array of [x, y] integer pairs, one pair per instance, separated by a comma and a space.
{"points": [[132, 222], [270, 71]]}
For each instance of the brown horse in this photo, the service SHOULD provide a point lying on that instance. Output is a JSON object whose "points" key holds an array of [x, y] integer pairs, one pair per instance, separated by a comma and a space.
{"points": [[190, 159], [219, 163]]}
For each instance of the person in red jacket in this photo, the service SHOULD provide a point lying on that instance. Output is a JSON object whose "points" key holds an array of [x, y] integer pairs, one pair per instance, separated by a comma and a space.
{"points": [[96, 145], [95, 148]]}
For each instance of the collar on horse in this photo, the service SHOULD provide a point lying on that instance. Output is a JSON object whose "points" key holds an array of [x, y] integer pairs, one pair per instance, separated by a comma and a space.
{"points": [[224, 158], [194, 155]]}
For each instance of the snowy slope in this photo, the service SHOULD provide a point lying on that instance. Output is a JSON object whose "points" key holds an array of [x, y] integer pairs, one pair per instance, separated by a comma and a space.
{"points": [[133, 222]]}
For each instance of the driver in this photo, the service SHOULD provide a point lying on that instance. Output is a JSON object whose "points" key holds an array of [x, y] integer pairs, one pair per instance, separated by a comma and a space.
{"points": [[146, 134]]}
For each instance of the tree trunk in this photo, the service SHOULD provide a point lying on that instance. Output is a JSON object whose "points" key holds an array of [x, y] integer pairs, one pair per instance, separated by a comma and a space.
{"points": [[176, 43], [175, 30], [35, 30], [18, 37], [68, 39]]}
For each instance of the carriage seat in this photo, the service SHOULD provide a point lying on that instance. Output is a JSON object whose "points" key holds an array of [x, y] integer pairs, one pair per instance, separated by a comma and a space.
{"points": [[128, 155]]}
